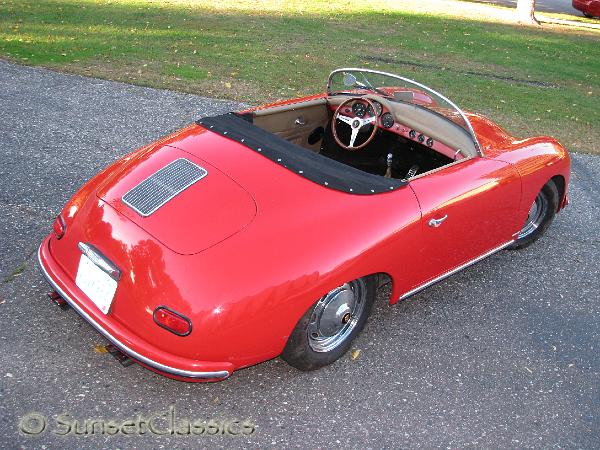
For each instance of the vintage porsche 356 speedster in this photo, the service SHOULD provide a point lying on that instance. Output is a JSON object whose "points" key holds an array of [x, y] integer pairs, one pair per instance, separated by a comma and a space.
{"points": [[265, 232]]}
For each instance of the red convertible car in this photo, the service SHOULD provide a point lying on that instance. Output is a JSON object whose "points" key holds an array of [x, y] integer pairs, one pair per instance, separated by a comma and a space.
{"points": [[265, 232], [589, 8]]}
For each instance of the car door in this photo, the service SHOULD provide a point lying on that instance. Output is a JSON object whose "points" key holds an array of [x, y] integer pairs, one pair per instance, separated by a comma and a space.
{"points": [[468, 209]]}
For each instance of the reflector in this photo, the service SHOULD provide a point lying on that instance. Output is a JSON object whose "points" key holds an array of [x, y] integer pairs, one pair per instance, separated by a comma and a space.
{"points": [[172, 321], [59, 227]]}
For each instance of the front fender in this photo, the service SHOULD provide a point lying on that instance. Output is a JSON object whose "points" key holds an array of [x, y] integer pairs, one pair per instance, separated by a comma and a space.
{"points": [[537, 160]]}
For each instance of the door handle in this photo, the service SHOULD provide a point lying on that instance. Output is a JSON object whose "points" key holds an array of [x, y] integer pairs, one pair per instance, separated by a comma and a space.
{"points": [[299, 121], [437, 222]]}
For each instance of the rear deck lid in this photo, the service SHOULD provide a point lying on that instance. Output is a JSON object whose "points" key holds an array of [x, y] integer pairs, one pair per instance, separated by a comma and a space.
{"points": [[181, 200]]}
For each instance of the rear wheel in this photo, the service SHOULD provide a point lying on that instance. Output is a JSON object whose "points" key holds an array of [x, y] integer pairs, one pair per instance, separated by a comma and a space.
{"points": [[588, 15], [541, 214], [326, 331]]}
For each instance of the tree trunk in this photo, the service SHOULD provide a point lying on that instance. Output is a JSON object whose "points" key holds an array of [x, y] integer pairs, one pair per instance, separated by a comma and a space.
{"points": [[525, 12]]}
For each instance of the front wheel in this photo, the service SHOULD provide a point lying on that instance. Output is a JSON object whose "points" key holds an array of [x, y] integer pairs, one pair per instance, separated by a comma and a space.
{"points": [[326, 331], [541, 214]]}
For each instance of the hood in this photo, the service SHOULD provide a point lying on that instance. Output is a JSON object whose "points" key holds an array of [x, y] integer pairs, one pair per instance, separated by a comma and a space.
{"points": [[193, 213]]}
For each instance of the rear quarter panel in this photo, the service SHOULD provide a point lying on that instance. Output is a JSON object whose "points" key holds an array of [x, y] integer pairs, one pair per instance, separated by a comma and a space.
{"points": [[246, 294]]}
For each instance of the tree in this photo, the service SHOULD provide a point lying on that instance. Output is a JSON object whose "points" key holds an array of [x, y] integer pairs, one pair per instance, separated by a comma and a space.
{"points": [[525, 12]]}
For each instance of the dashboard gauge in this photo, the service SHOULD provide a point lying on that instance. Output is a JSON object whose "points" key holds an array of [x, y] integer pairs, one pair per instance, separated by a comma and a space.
{"points": [[421, 138], [359, 109], [429, 142], [387, 121], [378, 109], [412, 134]]}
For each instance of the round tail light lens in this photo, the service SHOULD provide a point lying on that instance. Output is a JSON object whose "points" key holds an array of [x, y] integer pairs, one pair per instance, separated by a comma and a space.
{"points": [[59, 227], [172, 321]]}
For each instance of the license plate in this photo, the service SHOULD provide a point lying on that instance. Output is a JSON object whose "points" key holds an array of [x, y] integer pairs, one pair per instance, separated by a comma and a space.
{"points": [[95, 283]]}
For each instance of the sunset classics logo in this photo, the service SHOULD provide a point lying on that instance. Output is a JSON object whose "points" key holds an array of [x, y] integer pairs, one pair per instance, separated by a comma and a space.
{"points": [[163, 423]]}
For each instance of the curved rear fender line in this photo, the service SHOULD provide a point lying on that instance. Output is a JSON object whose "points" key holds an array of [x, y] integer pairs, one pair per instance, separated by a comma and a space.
{"points": [[331, 284], [385, 278], [396, 290]]}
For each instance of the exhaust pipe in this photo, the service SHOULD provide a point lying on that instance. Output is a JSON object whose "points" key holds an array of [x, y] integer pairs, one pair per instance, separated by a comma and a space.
{"points": [[123, 359], [57, 299]]}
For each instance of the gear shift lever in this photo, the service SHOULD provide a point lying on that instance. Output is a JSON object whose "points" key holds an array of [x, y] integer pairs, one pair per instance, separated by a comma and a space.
{"points": [[388, 172]]}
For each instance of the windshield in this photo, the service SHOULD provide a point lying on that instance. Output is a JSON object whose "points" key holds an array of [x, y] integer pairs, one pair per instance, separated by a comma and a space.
{"points": [[398, 89]]}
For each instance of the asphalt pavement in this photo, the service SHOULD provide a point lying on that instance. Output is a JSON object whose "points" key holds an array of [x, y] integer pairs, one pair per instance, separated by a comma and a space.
{"points": [[502, 355], [552, 6]]}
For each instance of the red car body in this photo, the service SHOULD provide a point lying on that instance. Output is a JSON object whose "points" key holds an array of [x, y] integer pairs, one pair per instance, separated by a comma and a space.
{"points": [[244, 253], [589, 8]]}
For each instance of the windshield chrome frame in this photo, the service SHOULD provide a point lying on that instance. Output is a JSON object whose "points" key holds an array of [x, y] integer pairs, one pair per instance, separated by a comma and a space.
{"points": [[422, 86]]}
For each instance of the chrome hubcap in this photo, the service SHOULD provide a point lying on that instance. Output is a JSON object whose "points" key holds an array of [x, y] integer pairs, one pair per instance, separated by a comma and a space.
{"points": [[537, 212], [336, 315]]}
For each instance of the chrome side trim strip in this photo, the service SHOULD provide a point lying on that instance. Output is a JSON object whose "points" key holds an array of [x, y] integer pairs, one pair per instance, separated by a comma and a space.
{"points": [[156, 365], [453, 271]]}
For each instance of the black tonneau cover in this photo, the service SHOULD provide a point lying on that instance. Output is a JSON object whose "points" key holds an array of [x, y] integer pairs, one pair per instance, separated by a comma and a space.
{"points": [[312, 166]]}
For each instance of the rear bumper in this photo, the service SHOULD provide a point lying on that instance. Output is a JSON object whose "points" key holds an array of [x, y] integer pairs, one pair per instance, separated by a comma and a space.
{"points": [[154, 359]]}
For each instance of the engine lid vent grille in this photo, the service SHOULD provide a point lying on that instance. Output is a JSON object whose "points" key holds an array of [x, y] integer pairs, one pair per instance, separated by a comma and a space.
{"points": [[162, 186]]}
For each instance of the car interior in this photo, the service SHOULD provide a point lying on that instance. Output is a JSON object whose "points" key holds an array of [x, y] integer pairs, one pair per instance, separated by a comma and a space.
{"points": [[395, 139]]}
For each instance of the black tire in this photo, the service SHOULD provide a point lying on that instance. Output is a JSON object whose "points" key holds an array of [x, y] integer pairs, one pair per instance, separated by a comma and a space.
{"points": [[308, 347], [537, 223], [588, 15]]}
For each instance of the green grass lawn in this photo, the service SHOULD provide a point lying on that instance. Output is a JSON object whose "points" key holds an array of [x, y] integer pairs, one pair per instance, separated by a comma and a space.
{"points": [[531, 81]]}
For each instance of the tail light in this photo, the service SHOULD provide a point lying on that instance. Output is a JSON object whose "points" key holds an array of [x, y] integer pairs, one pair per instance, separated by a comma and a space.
{"points": [[59, 227], [172, 321]]}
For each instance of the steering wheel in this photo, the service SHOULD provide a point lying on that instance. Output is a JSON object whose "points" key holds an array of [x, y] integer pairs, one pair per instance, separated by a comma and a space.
{"points": [[355, 123]]}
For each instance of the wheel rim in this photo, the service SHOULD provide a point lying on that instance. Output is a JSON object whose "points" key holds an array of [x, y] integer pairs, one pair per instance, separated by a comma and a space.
{"points": [[336, 315], [537, 212]]}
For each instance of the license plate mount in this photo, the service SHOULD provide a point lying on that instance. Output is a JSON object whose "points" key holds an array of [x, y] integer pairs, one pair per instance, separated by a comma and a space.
{"points": [[96, 284]]}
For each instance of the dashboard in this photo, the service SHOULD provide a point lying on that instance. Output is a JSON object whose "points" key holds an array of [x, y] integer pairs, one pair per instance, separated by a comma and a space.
{"points": [[388, 122]]}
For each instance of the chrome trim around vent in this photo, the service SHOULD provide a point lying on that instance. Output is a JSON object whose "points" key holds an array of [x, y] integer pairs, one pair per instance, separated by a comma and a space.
{"points": [[164, 184], [221, 374], [453, 271]]}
